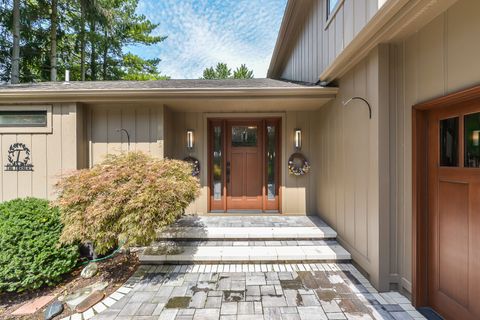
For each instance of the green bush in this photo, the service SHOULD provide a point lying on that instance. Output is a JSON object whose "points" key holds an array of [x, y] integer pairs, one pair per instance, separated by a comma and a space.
{"points": [[30, 254], [124, 199]]}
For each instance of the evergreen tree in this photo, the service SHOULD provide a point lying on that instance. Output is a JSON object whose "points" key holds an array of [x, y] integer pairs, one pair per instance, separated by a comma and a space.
{"points": [[221, 71], [86, 36]]}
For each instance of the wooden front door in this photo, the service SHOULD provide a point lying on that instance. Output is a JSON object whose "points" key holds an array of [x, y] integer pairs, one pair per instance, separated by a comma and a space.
{"points": [[244, 165], [244, 168], [453, 220]]}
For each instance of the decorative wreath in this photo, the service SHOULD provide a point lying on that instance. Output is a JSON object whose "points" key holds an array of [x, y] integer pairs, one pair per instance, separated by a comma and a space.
{"points": [[298, 165], [195, 163]]}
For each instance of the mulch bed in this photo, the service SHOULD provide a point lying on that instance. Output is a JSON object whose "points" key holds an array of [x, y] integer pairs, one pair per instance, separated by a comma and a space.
{"points": [[115, 271]]}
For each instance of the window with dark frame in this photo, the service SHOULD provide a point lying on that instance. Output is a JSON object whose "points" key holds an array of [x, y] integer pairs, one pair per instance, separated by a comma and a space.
{"points": [[23, 118], [331, 5]]}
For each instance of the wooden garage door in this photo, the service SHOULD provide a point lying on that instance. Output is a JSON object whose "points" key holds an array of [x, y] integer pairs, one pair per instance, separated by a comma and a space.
{"points": [[453, 184]]}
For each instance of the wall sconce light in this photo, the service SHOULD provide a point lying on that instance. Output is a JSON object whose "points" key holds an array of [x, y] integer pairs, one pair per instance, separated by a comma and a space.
{"points": [[190, 139], [298, 138], [476, 138]]}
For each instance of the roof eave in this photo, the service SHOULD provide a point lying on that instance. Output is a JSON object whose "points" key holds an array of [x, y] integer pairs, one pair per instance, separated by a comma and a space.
{"points": [[94, 95]]}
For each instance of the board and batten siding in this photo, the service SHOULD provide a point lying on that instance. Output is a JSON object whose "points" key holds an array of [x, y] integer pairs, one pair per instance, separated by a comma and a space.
{"points": [[316, 44], [351, 152], [143, 123], [52, 154], [440, 58]]}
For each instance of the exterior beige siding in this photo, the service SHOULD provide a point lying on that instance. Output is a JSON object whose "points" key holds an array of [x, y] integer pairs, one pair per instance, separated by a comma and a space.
{"points": [[319, 41], [351, 153], [439, 59], [297, 194], [51, 155], [144, 124]]}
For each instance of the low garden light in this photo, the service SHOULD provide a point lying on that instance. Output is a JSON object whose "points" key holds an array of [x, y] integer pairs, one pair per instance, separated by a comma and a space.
{"points": [[298, 138]]}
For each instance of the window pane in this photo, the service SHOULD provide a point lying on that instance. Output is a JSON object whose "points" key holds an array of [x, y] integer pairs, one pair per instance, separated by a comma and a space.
{"points": [[23, 118], [243, 136], [472, 140], [449, 142], [271, 160], [331, 5], [217, 163]]}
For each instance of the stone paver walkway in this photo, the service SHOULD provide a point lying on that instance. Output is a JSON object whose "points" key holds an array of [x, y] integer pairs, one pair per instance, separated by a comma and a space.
{"points": [[253, 291]]}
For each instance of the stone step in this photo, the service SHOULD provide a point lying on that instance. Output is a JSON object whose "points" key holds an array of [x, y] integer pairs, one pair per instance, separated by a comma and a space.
{"points": [[247, 233], [246, 254]]}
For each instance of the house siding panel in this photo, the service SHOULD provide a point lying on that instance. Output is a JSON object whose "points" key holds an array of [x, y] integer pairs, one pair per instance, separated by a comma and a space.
{"points": [[52, 154], [315, 41]]}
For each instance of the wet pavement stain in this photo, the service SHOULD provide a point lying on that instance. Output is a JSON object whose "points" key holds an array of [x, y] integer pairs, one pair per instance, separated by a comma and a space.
{"points": [[233, 295], [205, 287], [299, 299], [355, 307], [326, 295], [178, 303], [291, 284], [308, 280]]}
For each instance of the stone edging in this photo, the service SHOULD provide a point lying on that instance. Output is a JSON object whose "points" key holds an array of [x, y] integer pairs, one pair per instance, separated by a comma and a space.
{"points": [[105, 303]]}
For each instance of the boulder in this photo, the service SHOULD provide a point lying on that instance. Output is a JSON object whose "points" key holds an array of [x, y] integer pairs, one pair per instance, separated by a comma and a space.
{"points": [[89, 271], [53, 310]]}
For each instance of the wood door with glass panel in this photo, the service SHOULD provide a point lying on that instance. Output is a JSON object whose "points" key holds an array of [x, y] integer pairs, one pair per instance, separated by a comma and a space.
{"points": [[244, 167], [454, 210]]}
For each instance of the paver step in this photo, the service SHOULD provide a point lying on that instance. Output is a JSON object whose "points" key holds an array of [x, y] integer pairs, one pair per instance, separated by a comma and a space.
{"points": [[246, 254], [247, 233]]}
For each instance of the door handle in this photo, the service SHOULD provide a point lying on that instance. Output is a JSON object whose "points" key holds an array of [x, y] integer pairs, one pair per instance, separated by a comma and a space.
{"points": [[228, 172]]}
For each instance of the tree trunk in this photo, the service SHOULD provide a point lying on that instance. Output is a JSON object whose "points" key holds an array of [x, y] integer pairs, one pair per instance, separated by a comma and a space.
{"points": [[53, 42], [16, 43], [82, 39], [105, 54], [93, 56]]}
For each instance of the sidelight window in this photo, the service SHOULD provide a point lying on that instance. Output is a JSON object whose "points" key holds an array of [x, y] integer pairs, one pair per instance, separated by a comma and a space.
{"points": [[217, 163], [449, 142], [472, 140]]}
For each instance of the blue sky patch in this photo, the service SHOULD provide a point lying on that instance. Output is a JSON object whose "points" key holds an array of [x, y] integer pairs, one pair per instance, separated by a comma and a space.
{"points": [[204, 32]]}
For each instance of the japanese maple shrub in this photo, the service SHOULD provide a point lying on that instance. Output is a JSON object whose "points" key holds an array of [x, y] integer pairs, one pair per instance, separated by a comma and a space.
{"points": [[125, 199], [30, 254]]}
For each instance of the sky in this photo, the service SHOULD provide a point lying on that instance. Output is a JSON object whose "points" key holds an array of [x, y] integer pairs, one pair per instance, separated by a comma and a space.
{"points": [[203, 32]]}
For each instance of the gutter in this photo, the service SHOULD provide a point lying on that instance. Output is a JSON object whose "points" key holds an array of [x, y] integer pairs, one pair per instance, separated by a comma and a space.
{"points": [[94, 95]]}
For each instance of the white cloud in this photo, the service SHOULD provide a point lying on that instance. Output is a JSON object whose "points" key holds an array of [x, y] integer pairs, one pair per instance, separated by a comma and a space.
{"points": [[202, 33]]}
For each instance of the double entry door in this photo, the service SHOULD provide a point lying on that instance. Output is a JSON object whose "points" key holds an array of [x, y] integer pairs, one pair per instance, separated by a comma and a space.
{"points": [[244, 159]]}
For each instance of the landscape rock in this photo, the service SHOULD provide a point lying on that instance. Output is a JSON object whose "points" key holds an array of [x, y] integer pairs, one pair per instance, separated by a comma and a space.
{"points": [[89, 271], [74, 299], [53, 310], [92, 300]]}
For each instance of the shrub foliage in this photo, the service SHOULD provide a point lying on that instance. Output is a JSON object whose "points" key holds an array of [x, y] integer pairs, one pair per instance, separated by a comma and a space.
{"points": [[30, 255], [126, 199]]}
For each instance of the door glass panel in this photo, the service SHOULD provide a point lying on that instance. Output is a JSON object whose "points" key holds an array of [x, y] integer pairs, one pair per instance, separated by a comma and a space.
{"points": [[449, 142], [472, 140], [217, 163], [271, 160], [244, 136]]}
